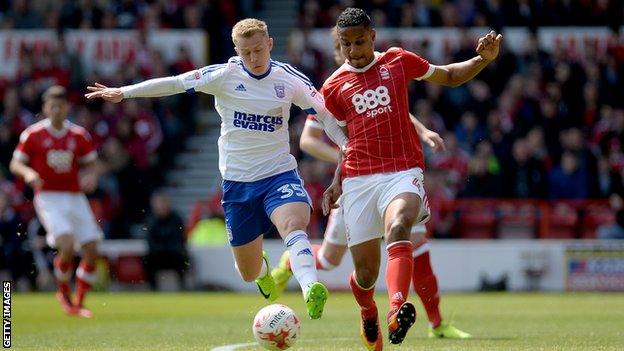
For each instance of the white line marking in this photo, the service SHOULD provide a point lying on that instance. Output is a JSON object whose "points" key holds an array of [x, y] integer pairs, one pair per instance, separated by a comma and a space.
{"points": [[234, 347]]}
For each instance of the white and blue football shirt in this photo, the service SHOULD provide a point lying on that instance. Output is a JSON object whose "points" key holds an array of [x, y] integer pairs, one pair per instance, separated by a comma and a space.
{"points": [[254, 142]]}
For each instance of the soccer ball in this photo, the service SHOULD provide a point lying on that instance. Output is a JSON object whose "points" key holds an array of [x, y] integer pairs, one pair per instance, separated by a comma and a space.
{"points": [[276, 327]]}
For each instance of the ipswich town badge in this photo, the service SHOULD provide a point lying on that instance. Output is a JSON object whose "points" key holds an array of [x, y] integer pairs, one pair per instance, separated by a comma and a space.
{"points": [[279, 90]]}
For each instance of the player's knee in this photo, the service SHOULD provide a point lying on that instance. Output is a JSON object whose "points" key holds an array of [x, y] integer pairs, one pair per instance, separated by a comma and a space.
{"points": [[399, 229], [65, 244], [334, 261], [293, 223], [366, 276], [333, 257], [89, 253]]}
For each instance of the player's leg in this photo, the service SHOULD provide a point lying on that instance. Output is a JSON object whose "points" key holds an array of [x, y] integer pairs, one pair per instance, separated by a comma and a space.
{"points": [[291, 219], [363, 230], [88, 235], [249, 260], [85, 276], [63, 270], [398, 219], [403, 204], [423, 278], [366, 259], [327, 255], [288, 205], [334, 245], [426, 286], [245, 223], [53, 212]]}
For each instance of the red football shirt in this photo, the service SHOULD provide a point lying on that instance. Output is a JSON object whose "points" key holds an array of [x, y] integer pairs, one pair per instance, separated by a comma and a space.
{"points": [[56, 154], [372, 102]]}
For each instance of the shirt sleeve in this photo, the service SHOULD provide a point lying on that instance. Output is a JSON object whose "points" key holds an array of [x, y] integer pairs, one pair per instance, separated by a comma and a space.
{"points": [[207, 79], [416, 67], [25, 148], [312, 103], [333, 107], [313, 123]]}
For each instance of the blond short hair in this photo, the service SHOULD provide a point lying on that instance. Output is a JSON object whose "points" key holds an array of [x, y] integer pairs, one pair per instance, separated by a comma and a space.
{"points": [[248, 27]]}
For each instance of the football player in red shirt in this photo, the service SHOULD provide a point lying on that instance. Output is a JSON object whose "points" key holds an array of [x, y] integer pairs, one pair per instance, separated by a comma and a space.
{"points": [[57, 159], [382, 190], [329, 254]]}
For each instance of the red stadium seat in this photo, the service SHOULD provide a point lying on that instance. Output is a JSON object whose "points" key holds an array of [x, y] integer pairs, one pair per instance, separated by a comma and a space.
{"points": [[517, 220], [562, 223], [476, 220], [595, 216], [129, 269]]}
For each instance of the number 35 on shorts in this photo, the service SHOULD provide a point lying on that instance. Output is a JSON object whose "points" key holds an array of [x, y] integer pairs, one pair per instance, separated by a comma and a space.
{"points": [[288, 190]]}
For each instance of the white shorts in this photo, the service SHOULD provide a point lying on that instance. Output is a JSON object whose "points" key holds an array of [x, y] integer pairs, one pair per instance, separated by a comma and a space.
{"points": [[63, 213], [335, 232], [365, 198]]}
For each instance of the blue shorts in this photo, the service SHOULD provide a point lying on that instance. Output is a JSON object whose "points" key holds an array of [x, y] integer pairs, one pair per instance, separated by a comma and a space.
{"points": [[248, 205]]}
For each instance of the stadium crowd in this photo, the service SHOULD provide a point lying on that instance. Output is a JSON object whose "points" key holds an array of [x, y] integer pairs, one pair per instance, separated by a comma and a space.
{"points": [[466, 13], [136, 139]]}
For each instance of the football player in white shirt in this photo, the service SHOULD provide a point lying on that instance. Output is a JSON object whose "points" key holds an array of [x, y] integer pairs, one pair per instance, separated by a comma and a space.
{"points": [[261, 186], [329, 254]]}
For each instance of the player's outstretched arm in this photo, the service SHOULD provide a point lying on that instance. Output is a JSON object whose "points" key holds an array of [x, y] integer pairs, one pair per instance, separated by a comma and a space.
{"points": [[456, 74], [150, 88], [427, 136]]}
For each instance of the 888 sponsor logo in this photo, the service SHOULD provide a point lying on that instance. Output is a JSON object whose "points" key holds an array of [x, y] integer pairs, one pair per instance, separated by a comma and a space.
{"points": [[373, 102]]}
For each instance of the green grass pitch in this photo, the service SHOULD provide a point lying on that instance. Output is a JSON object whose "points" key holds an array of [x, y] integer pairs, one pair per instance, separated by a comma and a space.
{"points": [[205, 321]]}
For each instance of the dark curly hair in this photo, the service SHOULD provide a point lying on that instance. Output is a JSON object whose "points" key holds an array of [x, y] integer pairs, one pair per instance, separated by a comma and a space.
{"points": [[353, 17]]}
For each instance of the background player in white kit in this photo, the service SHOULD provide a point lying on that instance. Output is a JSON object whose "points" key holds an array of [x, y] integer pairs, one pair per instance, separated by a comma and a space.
{"points": [[261, 186], [49, 157], [329, 254]]}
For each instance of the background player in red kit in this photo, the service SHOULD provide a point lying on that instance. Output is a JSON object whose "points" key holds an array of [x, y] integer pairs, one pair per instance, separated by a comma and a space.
{"points": [[382, 190], [49, 157], [329, 254]]}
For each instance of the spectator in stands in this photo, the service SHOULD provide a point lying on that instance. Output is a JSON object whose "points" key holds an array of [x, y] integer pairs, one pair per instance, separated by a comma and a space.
{"points": [[483, 174], [21, 16], [615, 230], [15, 254], [568, 180], [165, 241], [573, 140], [524, 176]]}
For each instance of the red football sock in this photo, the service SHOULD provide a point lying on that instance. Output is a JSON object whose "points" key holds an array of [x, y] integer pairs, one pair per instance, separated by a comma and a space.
{"points": [[364, 298], [398, 272], [62, 273], [85, 277], [426, 286]]}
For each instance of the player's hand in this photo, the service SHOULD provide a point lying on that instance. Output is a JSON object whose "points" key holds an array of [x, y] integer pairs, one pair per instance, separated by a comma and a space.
{"points": [[330, 198], [88, 182], [433, 139], [489, 45], [101, 91], [33, 180]]}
